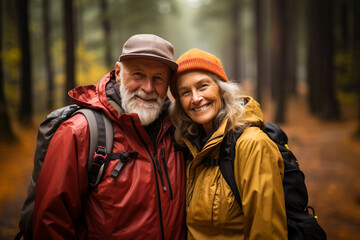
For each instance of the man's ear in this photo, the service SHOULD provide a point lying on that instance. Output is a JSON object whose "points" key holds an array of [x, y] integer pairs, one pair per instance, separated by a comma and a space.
{"points": [[117, 72]]}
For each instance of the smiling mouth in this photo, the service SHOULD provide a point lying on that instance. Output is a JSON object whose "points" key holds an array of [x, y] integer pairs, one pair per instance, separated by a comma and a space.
{"points": [[145, 99], [201, 108]]}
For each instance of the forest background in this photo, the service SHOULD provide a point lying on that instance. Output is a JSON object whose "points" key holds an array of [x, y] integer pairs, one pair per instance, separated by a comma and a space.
{"points": [[298, 58]]}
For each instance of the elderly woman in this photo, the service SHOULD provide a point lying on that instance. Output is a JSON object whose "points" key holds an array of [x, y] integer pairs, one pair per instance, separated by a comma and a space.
{"points": [[207, 106]]}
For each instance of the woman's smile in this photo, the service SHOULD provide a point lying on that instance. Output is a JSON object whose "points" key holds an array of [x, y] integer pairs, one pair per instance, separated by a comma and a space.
{"points": [[202, 108]]}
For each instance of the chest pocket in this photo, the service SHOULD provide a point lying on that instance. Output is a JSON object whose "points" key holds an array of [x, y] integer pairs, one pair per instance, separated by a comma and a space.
{"points": [[213, 202]]}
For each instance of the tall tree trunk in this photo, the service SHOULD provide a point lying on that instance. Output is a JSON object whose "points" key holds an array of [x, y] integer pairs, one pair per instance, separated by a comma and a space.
{"points": [[7, 134], [235, 8], [323, 102], [26, 111], [105, 17], [356, 55], [69, 41], [314, 51], [291, 21], [278, 46], [330, 106], [260, 50], [48, 60]]}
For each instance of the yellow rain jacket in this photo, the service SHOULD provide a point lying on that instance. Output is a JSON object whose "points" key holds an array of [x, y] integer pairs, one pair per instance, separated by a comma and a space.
{"points": [[212, 211]]}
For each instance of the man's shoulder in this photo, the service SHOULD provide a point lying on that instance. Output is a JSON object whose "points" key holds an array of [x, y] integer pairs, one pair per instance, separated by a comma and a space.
{"points": [[77, 124]]}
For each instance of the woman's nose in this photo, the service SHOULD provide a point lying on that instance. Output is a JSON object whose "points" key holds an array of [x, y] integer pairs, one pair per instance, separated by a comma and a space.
{"points": [[196, 97]]}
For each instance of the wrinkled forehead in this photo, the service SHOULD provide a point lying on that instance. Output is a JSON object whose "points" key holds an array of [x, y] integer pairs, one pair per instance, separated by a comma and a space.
{"points": [[194, 78]]}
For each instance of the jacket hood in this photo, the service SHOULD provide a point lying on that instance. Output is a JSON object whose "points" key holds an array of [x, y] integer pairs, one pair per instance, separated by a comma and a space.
{"points": [[252, 114], [103, 95], [94, 96]]}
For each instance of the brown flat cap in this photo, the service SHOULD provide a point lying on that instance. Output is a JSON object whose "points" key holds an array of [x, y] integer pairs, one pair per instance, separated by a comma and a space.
{"points": [[149, 46]]}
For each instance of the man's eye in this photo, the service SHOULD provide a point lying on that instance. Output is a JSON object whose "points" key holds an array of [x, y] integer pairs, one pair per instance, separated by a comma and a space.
{"points": [[138, 75], [159, 80]]}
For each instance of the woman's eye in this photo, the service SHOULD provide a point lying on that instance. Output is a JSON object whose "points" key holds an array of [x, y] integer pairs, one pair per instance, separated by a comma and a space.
{"points": [[203, 86], [184, 93]]}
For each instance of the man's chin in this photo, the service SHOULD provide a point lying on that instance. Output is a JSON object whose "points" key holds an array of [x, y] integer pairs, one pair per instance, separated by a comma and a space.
{"points": [[147, 113], [147, 117]]}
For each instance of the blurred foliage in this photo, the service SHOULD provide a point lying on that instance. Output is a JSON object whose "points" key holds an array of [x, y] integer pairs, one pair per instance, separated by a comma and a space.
{"points": [[11, 57], [88, 70], [345, 76]]}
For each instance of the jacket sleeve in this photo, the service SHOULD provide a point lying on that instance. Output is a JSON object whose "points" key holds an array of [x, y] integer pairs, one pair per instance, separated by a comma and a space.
{"points": [[62, 184], [259, 171]]}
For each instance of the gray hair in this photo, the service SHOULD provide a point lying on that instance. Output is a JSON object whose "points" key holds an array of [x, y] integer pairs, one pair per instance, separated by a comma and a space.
{"points": [[232, 107]]}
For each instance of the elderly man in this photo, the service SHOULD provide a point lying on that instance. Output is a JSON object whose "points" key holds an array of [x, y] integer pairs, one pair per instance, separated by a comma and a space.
{"points": [[146, 200]]}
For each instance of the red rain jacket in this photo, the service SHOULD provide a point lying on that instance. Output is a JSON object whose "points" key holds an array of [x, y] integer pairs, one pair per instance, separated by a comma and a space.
{"points": [[131, 206]]}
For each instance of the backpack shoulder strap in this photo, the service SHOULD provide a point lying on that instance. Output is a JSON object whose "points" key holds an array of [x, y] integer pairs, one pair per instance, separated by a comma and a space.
{"points": [[226, 162], [227, 156], [101, 141], [101, 129]]}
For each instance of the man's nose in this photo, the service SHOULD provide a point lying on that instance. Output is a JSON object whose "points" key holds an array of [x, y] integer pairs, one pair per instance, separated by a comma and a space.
{"points": [[147, 85]]}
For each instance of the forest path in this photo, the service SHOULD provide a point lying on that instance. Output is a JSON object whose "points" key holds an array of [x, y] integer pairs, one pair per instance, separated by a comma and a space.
{"points": [[327, 154]]}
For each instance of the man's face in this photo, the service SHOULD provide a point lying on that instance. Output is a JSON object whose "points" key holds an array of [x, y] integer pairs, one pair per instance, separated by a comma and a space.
{"points": [[143, 87]]}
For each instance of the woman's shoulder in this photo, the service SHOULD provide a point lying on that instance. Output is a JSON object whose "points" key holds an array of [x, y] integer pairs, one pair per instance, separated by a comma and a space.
{"points": [[256, 147], [254, 136]]}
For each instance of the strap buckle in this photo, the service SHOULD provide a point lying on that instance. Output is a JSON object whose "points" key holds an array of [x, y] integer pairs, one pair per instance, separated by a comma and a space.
{"points": [[100, 155]]}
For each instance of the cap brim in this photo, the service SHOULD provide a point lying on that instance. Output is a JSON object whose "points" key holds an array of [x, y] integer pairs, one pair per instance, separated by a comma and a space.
{"points": [[171, 64]]}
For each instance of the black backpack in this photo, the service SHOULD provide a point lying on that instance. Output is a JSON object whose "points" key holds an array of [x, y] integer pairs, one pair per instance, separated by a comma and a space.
{"points": [[101, 142], [300, 222]]}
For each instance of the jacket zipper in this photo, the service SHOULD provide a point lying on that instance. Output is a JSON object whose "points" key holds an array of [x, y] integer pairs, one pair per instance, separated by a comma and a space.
{"points": [[156, 180], [164, 163], [188, 193], [166, 171], [190, 184]]}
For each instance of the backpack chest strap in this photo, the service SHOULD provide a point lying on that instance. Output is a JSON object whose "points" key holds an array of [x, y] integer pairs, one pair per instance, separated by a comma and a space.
{"points": [[210, 162]]}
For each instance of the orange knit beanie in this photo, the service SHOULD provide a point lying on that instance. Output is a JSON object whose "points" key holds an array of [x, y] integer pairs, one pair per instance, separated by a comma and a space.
{"points": [[197, 60]]}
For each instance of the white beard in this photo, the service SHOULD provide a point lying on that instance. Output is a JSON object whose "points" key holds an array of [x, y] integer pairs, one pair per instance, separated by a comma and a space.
{"points": [[147, 112]]}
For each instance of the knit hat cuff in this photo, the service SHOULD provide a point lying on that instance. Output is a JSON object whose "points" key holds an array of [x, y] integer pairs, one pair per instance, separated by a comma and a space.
{"points": [[193, 64]]}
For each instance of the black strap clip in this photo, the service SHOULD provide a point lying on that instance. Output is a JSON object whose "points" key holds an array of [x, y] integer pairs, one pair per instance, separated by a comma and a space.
{"points": [[123, 157], [210, 162], [97, 167], [100, 155]]}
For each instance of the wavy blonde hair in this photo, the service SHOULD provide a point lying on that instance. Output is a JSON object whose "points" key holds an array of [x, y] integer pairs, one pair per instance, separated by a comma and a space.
{"points": [[232, 108]]}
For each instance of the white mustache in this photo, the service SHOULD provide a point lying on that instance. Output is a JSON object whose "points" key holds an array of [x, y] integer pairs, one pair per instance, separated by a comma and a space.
{"points": [[146, 96]]}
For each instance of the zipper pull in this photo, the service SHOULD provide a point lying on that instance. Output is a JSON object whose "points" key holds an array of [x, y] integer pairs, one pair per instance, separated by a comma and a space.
{"points": [[160, 173], [166, 171]]}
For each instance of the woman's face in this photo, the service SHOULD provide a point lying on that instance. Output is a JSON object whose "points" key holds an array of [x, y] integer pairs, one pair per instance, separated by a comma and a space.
{"points": [[200, 97]]}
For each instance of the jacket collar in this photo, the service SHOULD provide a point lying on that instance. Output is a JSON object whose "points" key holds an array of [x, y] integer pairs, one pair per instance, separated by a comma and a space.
{"points": [[215, 139]]}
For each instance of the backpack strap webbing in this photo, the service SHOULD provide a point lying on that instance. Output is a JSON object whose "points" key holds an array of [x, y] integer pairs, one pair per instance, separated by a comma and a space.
{"points": [[226, 163], [101, 141]]}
